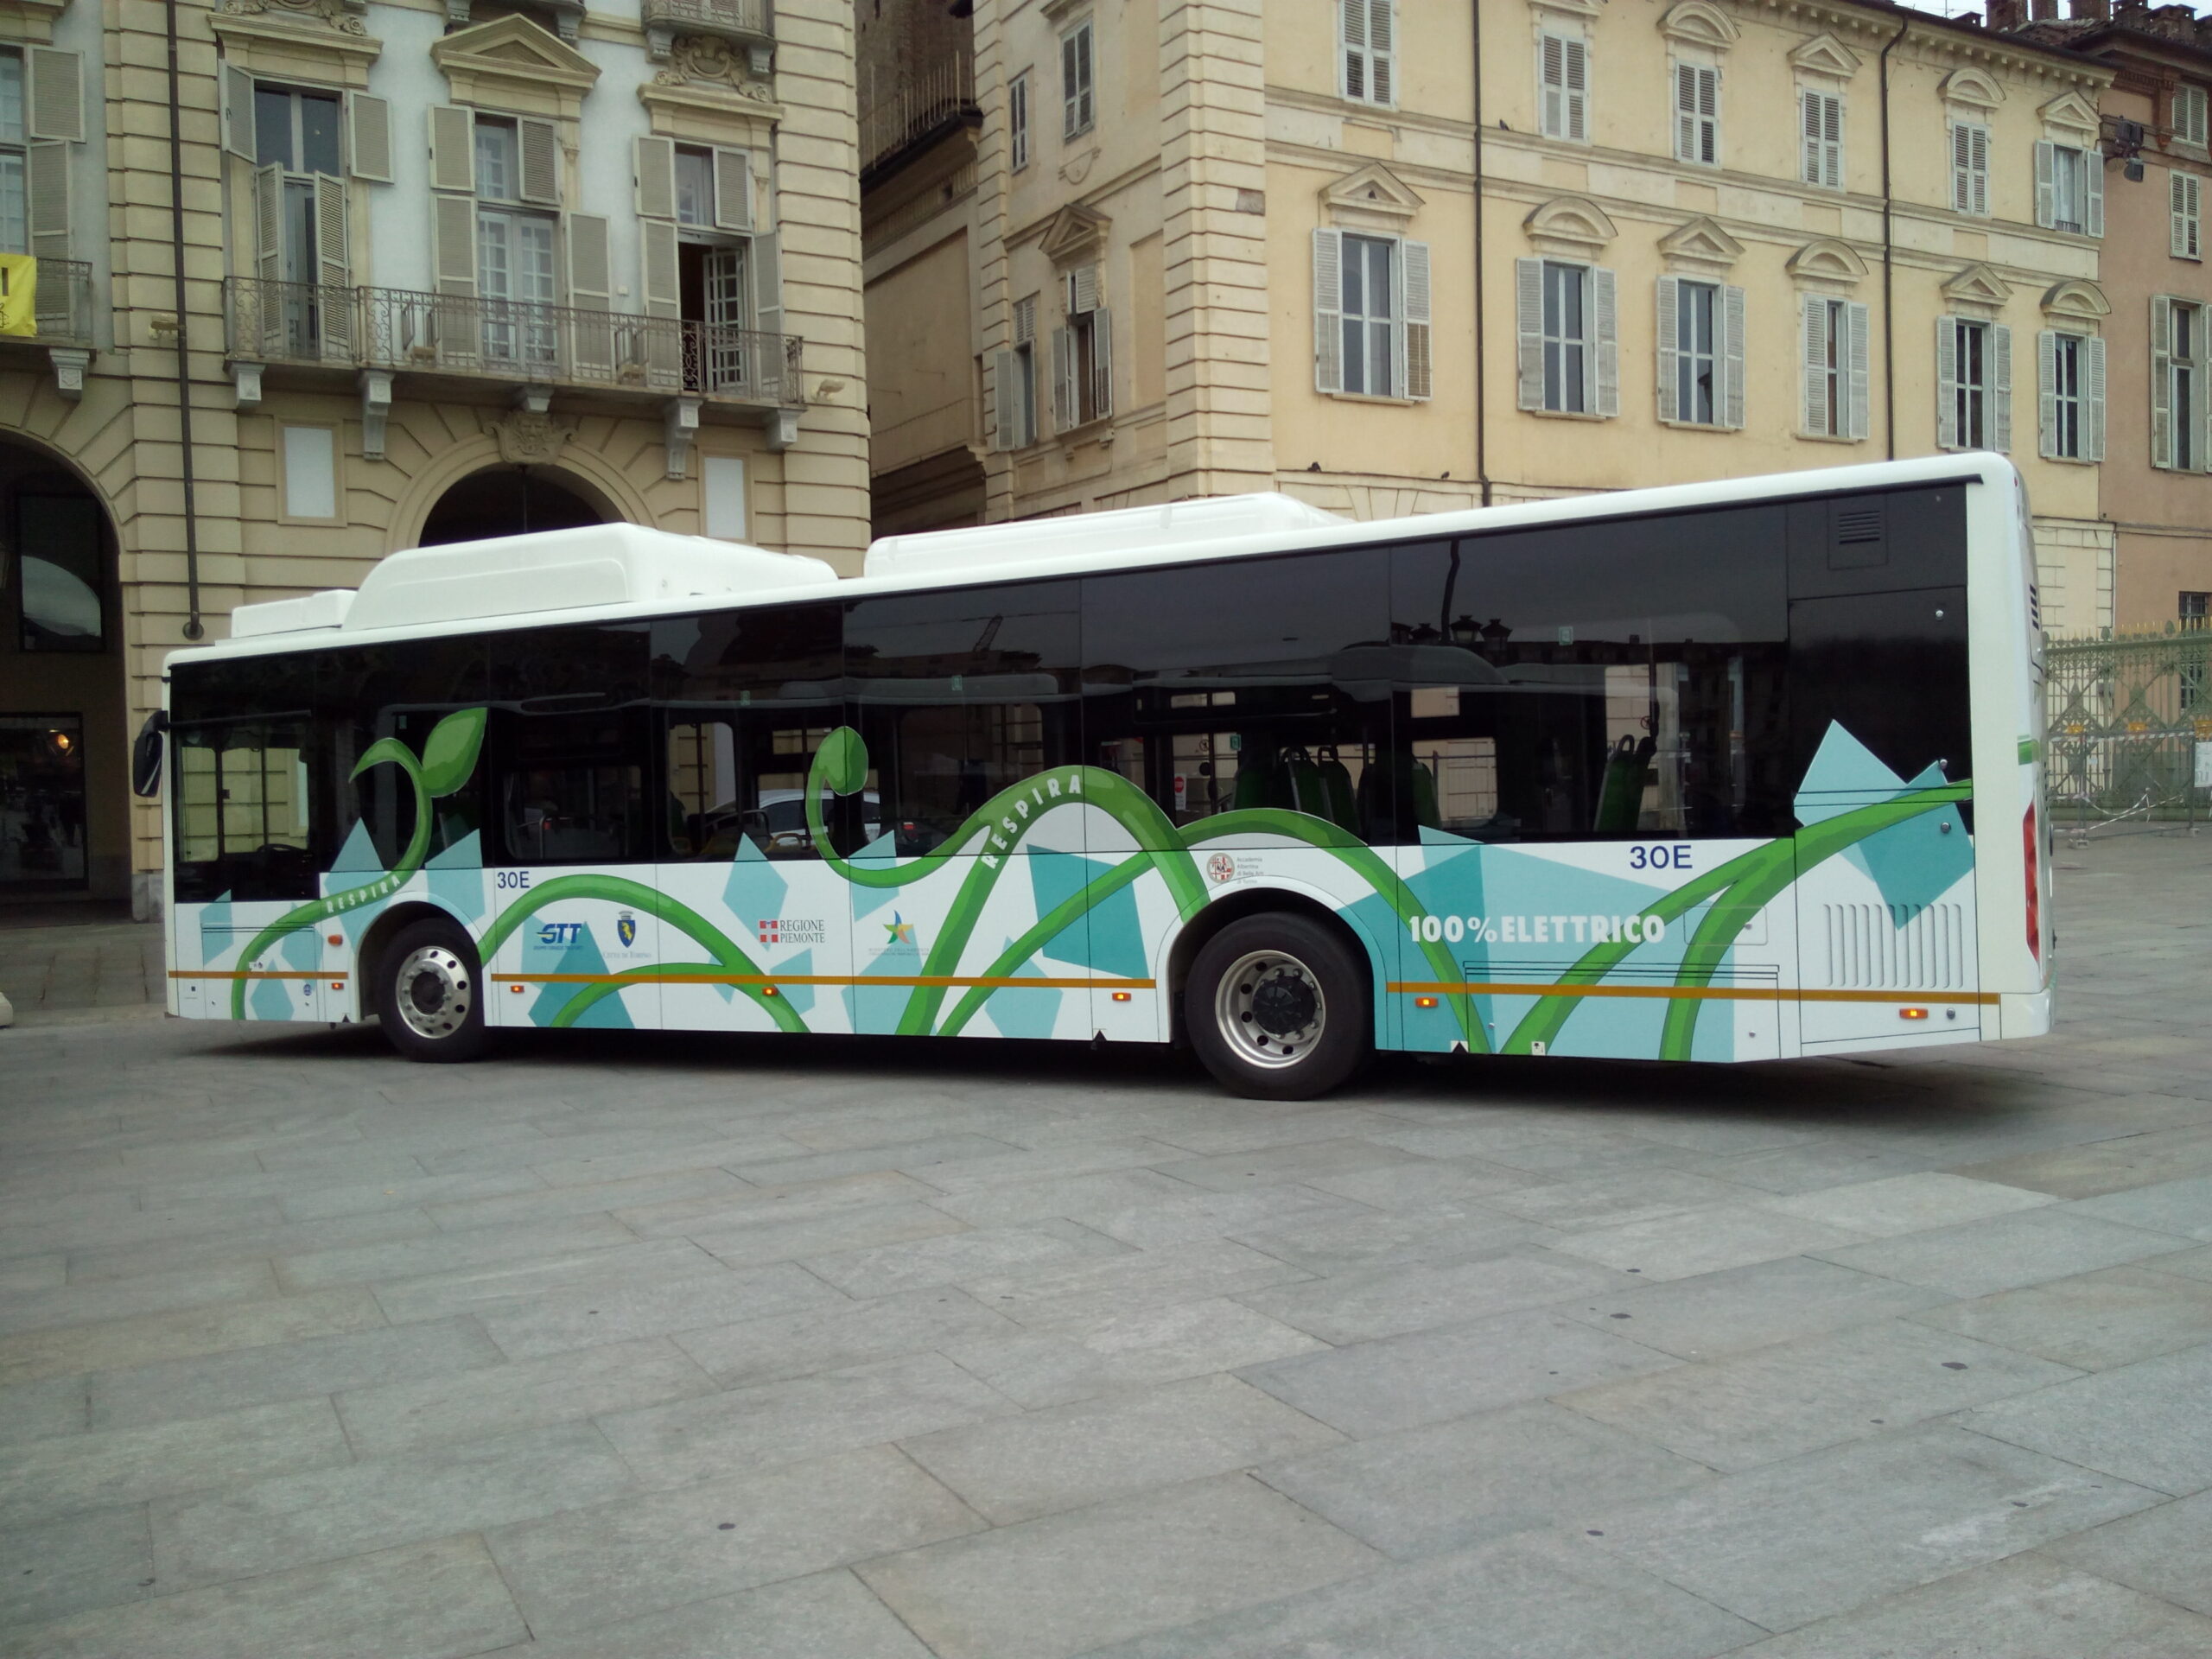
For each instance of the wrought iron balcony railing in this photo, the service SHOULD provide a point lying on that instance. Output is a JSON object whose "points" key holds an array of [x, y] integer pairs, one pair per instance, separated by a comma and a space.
{"points": [[749, 23], [510, 341], [62, 306]]}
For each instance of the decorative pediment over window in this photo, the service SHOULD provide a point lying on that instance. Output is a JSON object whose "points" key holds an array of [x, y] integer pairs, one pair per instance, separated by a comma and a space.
{"points": [[1971, 88], [1976, 289], [1824, 54], [2070, 117], [511, 63], [1699, 247], [1075, 235], [279, 45], [1373, 197], [1825, 262], [1699, 23], [32, 21], [1577, 8], [1573, 226], [2077, 299]]}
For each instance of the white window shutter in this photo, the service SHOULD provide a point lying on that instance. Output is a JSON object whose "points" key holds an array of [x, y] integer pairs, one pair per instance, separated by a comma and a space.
{"points": [[764, 254], [2093, 399], [1832, 140], [652, 177], [1382, 51], [1604, 313], [2000, 388], [1002, 400], [591, 287], [333, 266], [1670, 295], [1947, 383], [453, 239], [237, 112], [2093, 174], [734, 189], [2046, 186], [1418, 380], [1025, 322], [1961, 167], [1685, 112], [1731, 405], [53, 95], [1101, 364], [2187, 215], [1083, 289], [1980, 159], [453, 153], [1528, 319], [2047, 394], [269, 255], [1861, 379], [1578, 92], [368, 137], [1551, 85], [2162, 375], [1064, 399], [45, 191], [1328, 311], [1815, 368], [539, 142]]}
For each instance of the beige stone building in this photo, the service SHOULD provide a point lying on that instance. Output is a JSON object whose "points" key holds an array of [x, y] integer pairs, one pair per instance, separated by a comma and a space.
{"points": [[1227, 246], [447, 269]]}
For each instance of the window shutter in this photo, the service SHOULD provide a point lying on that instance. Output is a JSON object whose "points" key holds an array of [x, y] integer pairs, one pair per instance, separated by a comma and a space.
{"points": [[2046, 188], [1821, 116], [1604, 313], [53, 90], [1025, 322], [1382, 50], [591, 287], [1083, 289], [1961, 169], [1686, 111], [368, 137], [334, 267], [540, 144], [1328, 311], [1578, 91], [2047, 394], [1351, 34], [1528, 315], [2000, 388], [1816, 365], [45, 169], [1861, 398], [1419, 376], [767, 261], [2093, 175], [2093, 399], [1670, 297], [2162, 374], [1947, 383], [653, 173], [1101, 364], [1551, 85], [1980, 163], [1002, 400], [2187, 203], [454, 221], [269, 254], [453, 154], [237, 112], [1732, 406], [734, 189], [1832, 139], [1062, 380]]}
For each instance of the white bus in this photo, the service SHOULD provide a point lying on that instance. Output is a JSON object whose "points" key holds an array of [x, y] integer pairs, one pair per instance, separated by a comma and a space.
{"points": [[1726, 771]]}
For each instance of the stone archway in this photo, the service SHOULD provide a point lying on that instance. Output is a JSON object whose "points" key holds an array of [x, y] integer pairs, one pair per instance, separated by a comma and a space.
{"points": [[513, 501]]}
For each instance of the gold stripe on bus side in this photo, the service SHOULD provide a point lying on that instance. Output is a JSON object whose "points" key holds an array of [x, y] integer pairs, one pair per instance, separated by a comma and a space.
{"points": [[951, 981], [1684, 993], [210, 973]]}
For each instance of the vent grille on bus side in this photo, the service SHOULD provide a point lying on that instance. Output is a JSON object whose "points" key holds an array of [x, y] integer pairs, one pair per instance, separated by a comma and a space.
{"points": [[2035, 608], [1896, 947], [1856, 524]]}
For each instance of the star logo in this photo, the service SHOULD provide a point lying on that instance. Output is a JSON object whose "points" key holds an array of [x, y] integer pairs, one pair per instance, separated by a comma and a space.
{"points": [[901, 932]]}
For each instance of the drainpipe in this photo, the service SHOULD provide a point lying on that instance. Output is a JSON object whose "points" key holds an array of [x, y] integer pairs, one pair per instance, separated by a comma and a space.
{"points": [[194, 628], [1482, 428], [1889, 323]]}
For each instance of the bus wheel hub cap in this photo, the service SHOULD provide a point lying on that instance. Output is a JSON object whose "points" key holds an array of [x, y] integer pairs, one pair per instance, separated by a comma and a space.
{"points": [[435, 992], [1270, 1009]]}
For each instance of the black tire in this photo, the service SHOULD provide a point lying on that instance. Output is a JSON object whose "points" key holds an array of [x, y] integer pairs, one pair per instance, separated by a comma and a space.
{"points": [[429, 994], [1279, 1007]]}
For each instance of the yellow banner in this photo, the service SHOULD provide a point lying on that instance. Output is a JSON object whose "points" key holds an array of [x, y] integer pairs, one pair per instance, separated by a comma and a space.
{"points": [[18, 294]]}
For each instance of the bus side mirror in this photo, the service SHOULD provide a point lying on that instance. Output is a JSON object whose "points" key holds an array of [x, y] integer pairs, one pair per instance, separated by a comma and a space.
{"points": [[146, 756]]}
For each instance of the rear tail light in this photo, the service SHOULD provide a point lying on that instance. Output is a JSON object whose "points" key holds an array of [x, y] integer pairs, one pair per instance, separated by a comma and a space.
{"points": [[2031, 864]]}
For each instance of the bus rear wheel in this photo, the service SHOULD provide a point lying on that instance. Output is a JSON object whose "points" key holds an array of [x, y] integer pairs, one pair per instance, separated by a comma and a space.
{"points": [[428, 994], [1277, 1008]]}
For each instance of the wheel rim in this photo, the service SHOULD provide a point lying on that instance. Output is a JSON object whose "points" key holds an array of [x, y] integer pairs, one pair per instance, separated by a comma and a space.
{"points": [[435, 992], [1270, 1009]]}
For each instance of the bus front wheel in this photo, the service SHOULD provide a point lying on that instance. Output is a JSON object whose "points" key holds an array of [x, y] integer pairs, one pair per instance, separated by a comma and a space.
{"points": [[428, 994], [1277, 1008]]}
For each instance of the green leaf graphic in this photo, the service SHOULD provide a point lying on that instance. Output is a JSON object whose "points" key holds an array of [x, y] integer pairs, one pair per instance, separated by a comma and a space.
{"points": [[449, 752], [842, 762]]}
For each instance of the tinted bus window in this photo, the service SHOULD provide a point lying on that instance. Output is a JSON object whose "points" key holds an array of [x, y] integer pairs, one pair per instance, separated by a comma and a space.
{"points": [[570, 744], [746, 699], [1595, 681], [367, 693], [959, 696], [1245, 685], [249, 770]]}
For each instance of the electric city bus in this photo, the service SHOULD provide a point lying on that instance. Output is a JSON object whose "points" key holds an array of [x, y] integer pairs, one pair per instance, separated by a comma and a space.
{"points": [[1738, 770]]}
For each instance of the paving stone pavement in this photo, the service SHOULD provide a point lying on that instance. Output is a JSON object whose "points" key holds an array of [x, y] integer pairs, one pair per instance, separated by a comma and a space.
{"points": [[674, 1348]]}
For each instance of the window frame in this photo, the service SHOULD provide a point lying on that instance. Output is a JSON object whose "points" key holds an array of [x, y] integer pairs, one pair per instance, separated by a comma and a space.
{"points": [[1821, 155], [1364, 58], [1973, 395], [1078, 79], [1569, 97], [1558, 344], [1970, 175], [2069, 395], [2185, 214], [1696, 128], [2192, 115], [1363, 324], [1714, 355], [1017, 122]]}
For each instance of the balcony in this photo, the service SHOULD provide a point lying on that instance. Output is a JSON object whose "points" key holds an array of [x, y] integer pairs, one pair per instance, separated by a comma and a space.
{"points": [[401, 331], [62, 313], [746, 24]]}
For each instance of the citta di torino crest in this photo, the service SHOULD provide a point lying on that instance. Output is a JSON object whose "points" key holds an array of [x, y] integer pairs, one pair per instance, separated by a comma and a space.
{"points": [[625, 929]]}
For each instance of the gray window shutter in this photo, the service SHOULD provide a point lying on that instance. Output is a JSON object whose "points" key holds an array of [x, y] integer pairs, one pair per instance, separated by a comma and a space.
{"points": [[591, 287], [237, 112], [2001, 393], [1604, 315], [734, 189], [1961, 169], [46, 171], [1418, 378], [368, 137], [453, 153], [1861, 378], [1947, 383], [1551, 85], [2093, 399], [2162, 374], [1382, 50], [661, 283], [1328, 311], [1529, 309], [1101, 364], [2093, 175], [269, 255], [2047, 394], [1815, 312], [1981, 156], [767, 258], [652, 174], [54, 100], [453, 264], [2046, 188], [1003, 399], [539, 142], [1064, 404], [1732, 407], [1083, 289], [1578, 91], [1670, 295], [334, 267]]}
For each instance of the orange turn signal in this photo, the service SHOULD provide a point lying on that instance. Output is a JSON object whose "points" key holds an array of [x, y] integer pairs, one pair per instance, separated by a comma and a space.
{"points": [[1120, 996], [516, 989], [767, 990], [1424, 1001], [1912, 1014]]}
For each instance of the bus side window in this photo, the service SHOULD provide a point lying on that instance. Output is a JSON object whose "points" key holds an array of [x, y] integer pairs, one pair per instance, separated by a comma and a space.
{"points": [[570, 746]]}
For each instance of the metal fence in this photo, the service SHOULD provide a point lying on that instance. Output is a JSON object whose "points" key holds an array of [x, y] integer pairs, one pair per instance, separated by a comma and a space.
{"points": [[2130, 728], [508, 340], [916, 103]]}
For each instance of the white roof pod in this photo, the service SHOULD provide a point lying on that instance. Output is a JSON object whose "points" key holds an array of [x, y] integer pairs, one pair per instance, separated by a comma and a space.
{"points": [[1104, 536]]}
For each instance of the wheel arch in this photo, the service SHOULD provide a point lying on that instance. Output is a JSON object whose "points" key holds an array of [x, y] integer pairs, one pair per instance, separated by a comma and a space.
{"points": [[1193, 938], [368, 956]]}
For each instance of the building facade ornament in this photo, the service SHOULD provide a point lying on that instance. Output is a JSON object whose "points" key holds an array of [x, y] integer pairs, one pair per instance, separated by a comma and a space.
{"points": [[527, 436], [344, 16]]}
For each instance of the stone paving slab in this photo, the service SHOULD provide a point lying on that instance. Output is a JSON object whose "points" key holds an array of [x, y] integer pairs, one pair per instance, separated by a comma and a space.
{"points": [[678, 1347]]}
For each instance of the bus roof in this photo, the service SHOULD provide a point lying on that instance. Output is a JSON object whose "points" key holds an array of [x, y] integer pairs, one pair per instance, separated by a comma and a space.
{"points": [[620, 571]]}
